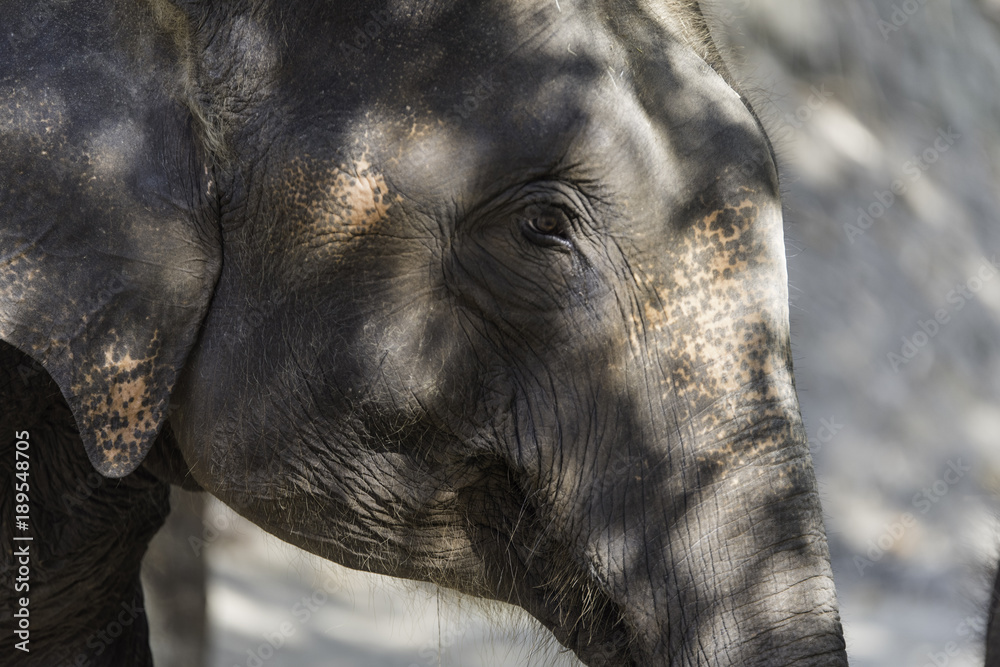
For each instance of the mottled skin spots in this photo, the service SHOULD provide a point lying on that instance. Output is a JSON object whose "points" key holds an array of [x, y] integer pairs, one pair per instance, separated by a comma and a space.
{"points": [[725, 228], [726, 276], [331, 205], [119, 405], [730, 364]]}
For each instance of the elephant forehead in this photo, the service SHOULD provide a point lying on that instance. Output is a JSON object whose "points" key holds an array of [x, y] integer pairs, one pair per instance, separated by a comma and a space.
{"points": [[329, 203]]}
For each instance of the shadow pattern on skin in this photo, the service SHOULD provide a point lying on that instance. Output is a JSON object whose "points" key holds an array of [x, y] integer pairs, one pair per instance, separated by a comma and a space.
{"points": [[536, 351], [449, 396]]}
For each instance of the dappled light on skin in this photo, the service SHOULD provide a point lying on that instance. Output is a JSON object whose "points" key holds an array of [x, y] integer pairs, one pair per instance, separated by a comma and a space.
{"points": [[400, 369], [728, 290], [87, 187], [335, 203], [112, 151], [717, 324], [458, 385]]}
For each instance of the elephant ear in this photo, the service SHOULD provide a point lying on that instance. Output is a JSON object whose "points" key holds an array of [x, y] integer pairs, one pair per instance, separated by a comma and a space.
{"points": [[108, 249]]}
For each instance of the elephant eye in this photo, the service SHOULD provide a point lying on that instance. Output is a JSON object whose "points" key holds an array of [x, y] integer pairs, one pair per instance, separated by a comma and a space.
{"points": [[545, 225]]}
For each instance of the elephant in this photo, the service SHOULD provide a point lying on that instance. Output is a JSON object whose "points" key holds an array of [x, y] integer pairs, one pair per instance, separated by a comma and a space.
{"points": [[485, 293], [992, 638]]}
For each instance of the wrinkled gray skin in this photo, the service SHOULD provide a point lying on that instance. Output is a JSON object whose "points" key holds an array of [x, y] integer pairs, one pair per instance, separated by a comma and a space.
{"points": [[993, 628], [490, 294]]}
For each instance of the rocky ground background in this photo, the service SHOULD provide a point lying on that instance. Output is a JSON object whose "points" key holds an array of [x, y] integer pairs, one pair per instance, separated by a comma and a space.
{"points": [[886, 117]]}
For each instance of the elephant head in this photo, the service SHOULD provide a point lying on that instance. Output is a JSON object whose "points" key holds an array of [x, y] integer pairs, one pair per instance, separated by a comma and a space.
{"points": [[488, 294]]}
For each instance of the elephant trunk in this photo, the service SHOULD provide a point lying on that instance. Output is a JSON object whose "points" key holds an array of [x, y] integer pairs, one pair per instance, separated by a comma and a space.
{"points": [[724, 562], [738, 564], [709, 550]]}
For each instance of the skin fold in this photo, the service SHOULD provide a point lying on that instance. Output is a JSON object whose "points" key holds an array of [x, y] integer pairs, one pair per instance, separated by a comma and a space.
{"points": [[488, 294]]}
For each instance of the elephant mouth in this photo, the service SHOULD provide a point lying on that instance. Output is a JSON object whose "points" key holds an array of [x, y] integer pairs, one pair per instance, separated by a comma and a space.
{"points": [[568, 601], [528, 564]]}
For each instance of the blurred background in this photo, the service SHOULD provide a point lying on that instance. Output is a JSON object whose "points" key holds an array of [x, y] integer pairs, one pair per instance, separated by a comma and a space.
{"points": [[886, 118]]}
